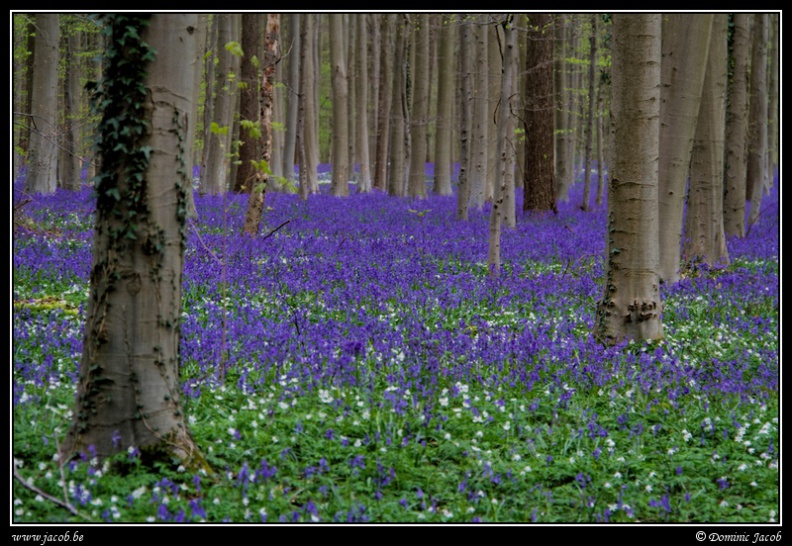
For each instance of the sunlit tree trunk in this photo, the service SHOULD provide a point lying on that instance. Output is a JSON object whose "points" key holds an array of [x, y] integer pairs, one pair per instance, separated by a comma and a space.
{"points": [[704, 235], [129, 389], [445, 103], [42, 170], [685, 46], [505, 161], [338, 75], [362, 83], [630, 307]]}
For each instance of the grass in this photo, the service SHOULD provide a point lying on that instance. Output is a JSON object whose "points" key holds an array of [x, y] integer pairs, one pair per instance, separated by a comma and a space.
{"points": [[376, 374]]}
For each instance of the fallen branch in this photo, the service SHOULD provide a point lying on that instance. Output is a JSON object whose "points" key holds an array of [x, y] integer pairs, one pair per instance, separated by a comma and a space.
{"points": [[49, 497], [271, 233]]}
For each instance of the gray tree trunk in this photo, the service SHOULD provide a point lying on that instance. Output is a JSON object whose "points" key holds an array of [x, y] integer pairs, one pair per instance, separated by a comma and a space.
{"points": [[505, 149], [465, 118], [419, 119], [704, 236], [399, 112], [70, 165], [562, 177], [293, 64], [590, 115], [478, 174], [362, 84], [630, 307], [685, 46], [338, 75], [215, 178], [758, 119], [384, 104], [445, 102], [737, 128], [129, 390], [42, 170], [249, 112]]}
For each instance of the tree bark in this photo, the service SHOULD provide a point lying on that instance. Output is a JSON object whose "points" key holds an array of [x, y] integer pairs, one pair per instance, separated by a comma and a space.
{"points": [[340, 160], [266, 100], [419, 118], [42, 174], [737, 128], [539, 177], [129, 391], [704, 236], [445, 102], [362, 83], [630, 307], [465, 119], [590, 115], [384, 105], [685, 46], [249, 111], [757, 121]]}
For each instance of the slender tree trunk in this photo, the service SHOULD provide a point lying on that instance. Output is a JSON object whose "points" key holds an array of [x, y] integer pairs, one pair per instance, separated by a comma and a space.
{"points": [[384, 104], [211, 55], [492, 93], [591, 115], [465, 121], [561, 160], [362, 81], [478, 174], [505, 161], [630, 307], [773, 129], [215, 178], [350, 38], [416, 185], [445, 102], [43, 154], [301, 90], [293, 63], [539, 183], [737, 128], [396, 173], [129, 391], [340, 186], [267, 98], [758, 119], [685, 46], [70, 165], [704, 235], [600, 149], [249, 111], [311, 125]]}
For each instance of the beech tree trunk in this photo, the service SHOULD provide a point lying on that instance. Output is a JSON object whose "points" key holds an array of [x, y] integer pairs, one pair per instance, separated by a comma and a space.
{"points": [[758, 119], [445, 103], [129, 390], [686, 40], [465, 121], [42, 173], [704, 236], [249, 111], [737, 128], [384, 104], [340, 159], [539, 182], [267, 98], [591, 115], [362, 84], [630, 307], [419, 118]]}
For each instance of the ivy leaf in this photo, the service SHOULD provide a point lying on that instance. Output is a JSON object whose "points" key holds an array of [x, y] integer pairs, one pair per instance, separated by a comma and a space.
{"points": [[146, 150]]}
